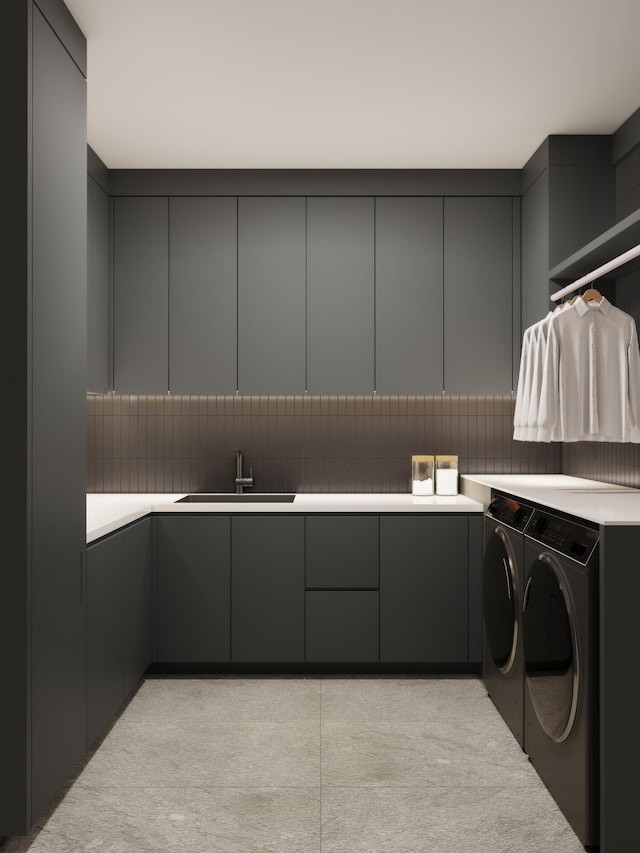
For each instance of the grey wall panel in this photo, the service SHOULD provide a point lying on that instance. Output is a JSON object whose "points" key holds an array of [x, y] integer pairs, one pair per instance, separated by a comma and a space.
{"points": [[271, 295], [202, 295], [66, 29], [478, 282], [409, 295], [98, 289], [267, 591], [59, 354], [340, 295], [141, 296]]}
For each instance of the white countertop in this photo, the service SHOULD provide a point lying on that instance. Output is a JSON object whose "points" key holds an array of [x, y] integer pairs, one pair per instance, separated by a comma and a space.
{"points": [[602, 503], [108, 512]]}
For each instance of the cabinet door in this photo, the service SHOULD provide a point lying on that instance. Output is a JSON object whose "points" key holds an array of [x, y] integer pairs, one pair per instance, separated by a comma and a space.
{"points": [[424, 599], [342, 552], [57, 416], [342, 626], [105, 633], [267, 591], [409, 295], [98, 297], [271, 295], [192, 589], [141, 296], [340, 295], [137, 602], [202, 295], [478, 295]]}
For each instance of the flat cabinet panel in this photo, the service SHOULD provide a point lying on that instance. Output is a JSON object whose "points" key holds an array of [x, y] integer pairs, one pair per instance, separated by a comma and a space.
{"points": [[424, 607], [342, 627], [192, 589], [202, 295], [271, 295], [475, 590], [137, 602], [409, 295], [342, 552], [478, 282], [267, 592], [141, 295], [340, 295], [535, 251], [98, 291], [105, 633], [56, 470]]}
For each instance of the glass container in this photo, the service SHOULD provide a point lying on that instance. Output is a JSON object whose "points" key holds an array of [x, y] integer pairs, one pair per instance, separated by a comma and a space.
{"points": [[446, 475], [422, 475]]}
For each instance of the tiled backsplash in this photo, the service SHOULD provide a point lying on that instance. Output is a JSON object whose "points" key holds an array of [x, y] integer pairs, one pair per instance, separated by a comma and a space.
{"points": [[298, 444]]}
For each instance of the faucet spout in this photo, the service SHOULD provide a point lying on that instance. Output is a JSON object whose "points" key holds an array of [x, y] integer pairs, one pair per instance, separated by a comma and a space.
{"points": [[241, 480]]}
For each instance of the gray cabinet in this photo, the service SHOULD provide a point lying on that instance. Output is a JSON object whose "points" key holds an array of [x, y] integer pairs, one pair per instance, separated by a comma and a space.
{"points": [[424, 589], [138, 565], [342, 626], [267, 589], [192, 588], [340, 295], [202, 295], [118, 621], [478, 295], [141, 296], [342, 552], [105, 633], [409, 295], [54, 370], [98, 292], [271, 295]]}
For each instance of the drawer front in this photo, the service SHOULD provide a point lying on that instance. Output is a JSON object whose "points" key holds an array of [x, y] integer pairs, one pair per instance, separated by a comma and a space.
{"points": [[342, 552], [342, 626]]}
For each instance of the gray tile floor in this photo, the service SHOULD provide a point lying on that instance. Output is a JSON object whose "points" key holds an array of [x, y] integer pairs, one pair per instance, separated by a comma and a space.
{"points": [[404, 765]]}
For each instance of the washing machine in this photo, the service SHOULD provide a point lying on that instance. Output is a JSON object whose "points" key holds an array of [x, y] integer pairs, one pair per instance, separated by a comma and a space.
{"points": [[502, 584], [560, 643]]}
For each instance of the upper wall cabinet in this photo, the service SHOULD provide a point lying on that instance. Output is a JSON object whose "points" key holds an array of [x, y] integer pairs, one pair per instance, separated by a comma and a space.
{"points": [[478, 295], [340, 295], [271, 295], [141, 289], [409, 294], [202, 295]]}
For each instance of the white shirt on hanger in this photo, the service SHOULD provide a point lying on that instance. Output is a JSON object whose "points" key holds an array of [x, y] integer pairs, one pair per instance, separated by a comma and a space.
{"points": [[591, 376]]}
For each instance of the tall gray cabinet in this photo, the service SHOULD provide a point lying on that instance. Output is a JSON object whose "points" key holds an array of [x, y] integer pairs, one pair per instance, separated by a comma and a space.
{"points": [[42, 712]]}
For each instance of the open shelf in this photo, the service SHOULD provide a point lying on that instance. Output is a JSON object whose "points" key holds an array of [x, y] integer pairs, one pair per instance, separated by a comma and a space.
{"points": [[613, 242]]}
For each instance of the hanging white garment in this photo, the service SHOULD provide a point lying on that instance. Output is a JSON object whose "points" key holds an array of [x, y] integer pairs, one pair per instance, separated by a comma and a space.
{"points": [[525, 417], [590, 388]]}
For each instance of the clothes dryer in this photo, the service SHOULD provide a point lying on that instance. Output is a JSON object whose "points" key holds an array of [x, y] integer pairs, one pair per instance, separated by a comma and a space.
{"points": [[502, 583], [560, 642]]}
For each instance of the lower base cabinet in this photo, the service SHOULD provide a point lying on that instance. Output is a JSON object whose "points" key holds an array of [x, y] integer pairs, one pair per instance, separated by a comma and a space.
{"points": [[424, 589], [118, 621], [267, 589], [193, 564], [342, 626]]}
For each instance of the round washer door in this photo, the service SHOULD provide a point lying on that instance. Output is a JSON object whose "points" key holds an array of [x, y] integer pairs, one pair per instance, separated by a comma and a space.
{"points": [[550, 649], [499, 590]]}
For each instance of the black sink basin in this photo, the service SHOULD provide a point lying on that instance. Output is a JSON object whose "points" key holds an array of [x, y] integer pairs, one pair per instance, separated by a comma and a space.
{"points": [[232, 497]]}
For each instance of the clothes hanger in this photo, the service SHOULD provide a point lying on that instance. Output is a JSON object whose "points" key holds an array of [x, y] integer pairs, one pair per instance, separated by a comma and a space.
{"points": [[592, 295]]}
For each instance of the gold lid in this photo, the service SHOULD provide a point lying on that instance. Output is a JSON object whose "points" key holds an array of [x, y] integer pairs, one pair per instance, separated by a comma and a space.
{"points": [[446, 459], [422, 458]]}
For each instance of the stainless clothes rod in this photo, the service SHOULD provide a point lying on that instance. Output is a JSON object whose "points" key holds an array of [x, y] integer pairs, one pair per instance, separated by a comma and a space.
{"points": [[624, 258]]}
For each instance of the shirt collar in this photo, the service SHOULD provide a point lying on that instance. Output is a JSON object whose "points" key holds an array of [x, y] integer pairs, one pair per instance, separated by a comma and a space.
{"points": [[582, 307]]}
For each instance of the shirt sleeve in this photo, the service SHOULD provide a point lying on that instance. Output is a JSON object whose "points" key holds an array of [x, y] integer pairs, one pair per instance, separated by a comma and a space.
{"points": [[549, 408], [633, 356]]}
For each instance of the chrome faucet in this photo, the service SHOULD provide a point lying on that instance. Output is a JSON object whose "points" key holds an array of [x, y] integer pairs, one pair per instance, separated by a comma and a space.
{"points": [[242, 481]]}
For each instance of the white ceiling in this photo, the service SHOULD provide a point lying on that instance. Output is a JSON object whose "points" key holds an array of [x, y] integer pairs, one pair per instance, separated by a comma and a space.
{"points": [[404, 84]]}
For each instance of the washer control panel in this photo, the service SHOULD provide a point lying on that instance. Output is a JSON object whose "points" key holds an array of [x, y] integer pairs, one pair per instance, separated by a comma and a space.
{"points": [[510, 512], [567, 537]]}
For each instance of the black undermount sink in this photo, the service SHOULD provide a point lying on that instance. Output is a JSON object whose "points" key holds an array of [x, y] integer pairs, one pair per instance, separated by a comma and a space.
{"points": [[232, 497]]}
